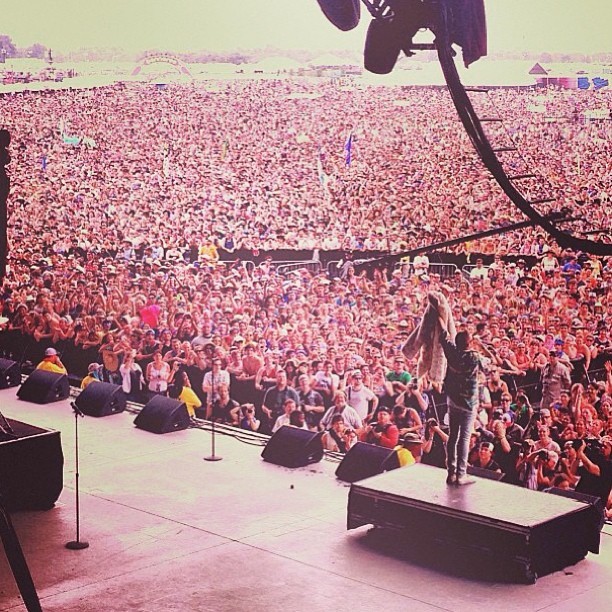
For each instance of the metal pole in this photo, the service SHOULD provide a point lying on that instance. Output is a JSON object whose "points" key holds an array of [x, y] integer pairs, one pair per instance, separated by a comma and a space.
{"points": [[77, 544]]}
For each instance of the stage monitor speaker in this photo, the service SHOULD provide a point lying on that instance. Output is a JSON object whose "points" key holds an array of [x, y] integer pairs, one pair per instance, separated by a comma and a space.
{"points": [[293, 447], [364, 460], [100, 399], [42, 387], [482, 473], [162, 415], [10, 374]]}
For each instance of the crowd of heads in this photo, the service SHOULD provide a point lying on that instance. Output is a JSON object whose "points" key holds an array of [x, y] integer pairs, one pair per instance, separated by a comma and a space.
{"points": [[122, 246]]}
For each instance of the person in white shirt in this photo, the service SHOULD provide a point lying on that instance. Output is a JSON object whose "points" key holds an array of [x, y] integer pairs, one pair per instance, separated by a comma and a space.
{"points": [[285, 419], [350, 417], [359, 397], [479, 271]]}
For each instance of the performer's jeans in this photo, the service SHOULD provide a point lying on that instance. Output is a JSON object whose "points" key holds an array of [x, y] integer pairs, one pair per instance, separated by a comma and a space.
{"points": [[461, 422]]}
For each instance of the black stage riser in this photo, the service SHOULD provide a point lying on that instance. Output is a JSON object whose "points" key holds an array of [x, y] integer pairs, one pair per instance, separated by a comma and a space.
{"points": [[459, 521]]}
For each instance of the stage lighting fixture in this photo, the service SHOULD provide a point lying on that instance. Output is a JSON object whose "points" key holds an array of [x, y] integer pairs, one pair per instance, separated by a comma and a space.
{"points": [[392, 33], [344, 14]]}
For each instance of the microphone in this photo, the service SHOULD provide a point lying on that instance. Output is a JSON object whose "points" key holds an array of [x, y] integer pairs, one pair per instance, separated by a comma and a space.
{"points": [[344, 14], [77, 411]]}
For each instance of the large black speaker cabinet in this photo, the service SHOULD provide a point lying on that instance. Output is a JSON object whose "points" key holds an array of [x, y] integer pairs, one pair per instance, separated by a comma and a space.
{"points": [[10, 373], [293, 447], [42, 387], [162, 415], [364, 460], [101, 399]]}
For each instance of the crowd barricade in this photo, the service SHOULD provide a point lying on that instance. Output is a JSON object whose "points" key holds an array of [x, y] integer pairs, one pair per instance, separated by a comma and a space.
{"points": [[445, 271], [285, 267], [333, 268], [249, 266]]}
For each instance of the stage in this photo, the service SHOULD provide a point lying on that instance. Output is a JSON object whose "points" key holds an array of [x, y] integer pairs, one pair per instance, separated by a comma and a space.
{"points": [[519, 533], [170, 531]]}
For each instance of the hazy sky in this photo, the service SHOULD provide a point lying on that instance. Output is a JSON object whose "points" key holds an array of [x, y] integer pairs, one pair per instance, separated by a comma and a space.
{"points": [[181, 25]]}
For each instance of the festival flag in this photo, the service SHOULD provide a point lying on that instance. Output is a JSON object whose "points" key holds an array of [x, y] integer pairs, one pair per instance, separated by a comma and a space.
{"points": [[66, 138], [598, 82], [43, 163], [583, 83], [71, 140], [348, 146]]}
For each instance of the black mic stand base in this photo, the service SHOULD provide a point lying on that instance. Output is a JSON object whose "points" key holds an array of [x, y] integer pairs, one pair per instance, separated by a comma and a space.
{"points": [[77, 545]]}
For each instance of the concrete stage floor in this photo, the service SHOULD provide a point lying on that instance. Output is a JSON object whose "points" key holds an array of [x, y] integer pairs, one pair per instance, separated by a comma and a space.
{"points": [[169, 531]]}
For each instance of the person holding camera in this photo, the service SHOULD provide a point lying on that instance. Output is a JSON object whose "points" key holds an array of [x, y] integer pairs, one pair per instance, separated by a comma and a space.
{"points": [[507, 445], [525, 465], [247, 418], [415, 400], [536, 467], [594, 466], [567, 461], [338, 438], [546, 464], [433, 451], [383, 433]]}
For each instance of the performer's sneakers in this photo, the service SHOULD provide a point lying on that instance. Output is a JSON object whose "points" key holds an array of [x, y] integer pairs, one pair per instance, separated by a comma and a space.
{"points": [[451, 479], [465, 480]]}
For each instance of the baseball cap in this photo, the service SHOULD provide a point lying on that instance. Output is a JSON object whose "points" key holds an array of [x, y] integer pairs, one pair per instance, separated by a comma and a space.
{"points": [[50, 352]]}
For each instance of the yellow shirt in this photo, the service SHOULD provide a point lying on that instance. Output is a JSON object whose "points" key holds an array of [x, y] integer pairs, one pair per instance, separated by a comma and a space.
{"points": [[49, 366], [208, 252], [88, 380], [192, 401]]}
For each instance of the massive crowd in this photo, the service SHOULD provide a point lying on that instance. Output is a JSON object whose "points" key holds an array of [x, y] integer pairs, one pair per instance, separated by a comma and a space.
{"points": [[123, 256]]}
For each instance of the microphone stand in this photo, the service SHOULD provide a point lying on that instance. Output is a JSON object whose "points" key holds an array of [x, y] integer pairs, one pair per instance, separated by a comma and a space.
{"points": [[77, 544], [212, 456]]}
